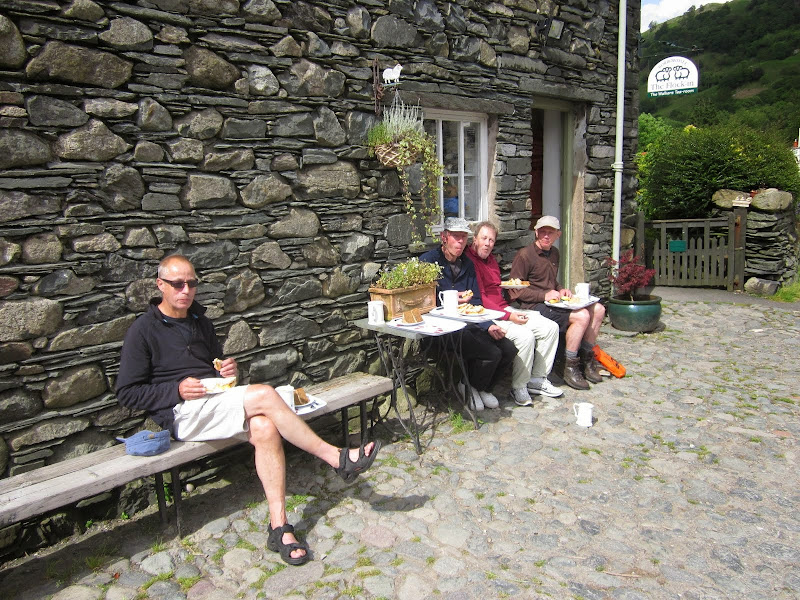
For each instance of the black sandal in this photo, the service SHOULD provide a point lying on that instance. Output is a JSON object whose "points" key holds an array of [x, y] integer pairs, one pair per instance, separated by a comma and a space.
{"points": [[275, 543], [349, 470]]}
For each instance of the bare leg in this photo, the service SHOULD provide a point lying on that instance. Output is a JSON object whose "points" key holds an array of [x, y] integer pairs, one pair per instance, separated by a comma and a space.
{"points": [[578, 324], [597, 312], [263, 400], [271, 470]]}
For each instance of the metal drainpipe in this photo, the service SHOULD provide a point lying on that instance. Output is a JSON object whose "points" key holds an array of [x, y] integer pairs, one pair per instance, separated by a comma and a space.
{"points": [[618, 164]]}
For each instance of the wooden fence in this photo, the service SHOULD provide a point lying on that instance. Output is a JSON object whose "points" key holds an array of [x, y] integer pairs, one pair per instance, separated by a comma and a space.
{"points": [[694, 252]]}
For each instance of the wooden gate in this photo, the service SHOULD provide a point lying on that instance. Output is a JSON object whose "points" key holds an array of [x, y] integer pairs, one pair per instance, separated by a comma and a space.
{"points": [[694, 252]]}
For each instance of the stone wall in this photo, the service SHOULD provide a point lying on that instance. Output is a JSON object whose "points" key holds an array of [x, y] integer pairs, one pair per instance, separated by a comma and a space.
{"points": [[772, 250], [233, 132]]}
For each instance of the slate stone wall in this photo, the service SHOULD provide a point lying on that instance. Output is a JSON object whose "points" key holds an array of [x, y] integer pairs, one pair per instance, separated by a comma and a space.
{"points": [[232, 131], [772, 247]]}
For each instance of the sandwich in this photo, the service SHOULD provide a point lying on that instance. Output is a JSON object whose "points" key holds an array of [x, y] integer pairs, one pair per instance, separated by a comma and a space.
{"points": [[215, 385], [217, 362]]}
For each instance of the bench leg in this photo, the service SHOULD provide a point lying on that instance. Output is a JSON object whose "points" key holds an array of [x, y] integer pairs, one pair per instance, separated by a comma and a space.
{"points": [[162, 501], [176, 497], [363, 415], [345, 428]]}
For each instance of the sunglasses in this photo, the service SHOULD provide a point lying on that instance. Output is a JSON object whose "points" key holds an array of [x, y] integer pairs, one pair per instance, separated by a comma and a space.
{"points": [[178, 285]]}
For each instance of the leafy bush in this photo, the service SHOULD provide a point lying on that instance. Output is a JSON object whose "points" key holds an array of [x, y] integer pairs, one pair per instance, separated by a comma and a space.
{"points": [[629, 274], [651, 130], [679, 173]]}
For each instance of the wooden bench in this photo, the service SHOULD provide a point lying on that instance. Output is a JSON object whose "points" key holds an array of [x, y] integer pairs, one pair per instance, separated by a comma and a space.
{"points": [[66, 482]]}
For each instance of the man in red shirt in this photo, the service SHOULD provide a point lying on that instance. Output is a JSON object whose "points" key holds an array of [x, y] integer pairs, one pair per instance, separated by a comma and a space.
{"points": [[535, 336], [538, 264]]}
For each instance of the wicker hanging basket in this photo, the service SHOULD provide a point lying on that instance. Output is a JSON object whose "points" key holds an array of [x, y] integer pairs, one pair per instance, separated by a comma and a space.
{"points": [[389, 155]]}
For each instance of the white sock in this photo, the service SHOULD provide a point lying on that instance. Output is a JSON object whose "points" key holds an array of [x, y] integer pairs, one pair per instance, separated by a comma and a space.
{"points": [[537, 380]]}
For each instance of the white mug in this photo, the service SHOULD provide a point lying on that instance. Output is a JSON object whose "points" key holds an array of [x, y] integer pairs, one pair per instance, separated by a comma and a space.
{"points": [[287, 393], [583, 412], [582, 291], [375, 312], [449, 301]]}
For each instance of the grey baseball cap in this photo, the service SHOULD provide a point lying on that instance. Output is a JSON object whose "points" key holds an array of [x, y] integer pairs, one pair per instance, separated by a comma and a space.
{"points": [[457, 224]]}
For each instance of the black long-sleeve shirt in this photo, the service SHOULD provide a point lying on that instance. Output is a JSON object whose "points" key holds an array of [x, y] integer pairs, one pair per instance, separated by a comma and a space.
{"points": [[156, 357]]}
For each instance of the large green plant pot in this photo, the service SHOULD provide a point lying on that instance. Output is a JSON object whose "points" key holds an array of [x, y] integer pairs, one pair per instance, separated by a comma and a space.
{"points": [[640, 314]]}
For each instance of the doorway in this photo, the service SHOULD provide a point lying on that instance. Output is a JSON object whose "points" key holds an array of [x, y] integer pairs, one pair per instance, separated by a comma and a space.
{"points": [[558, 160]]}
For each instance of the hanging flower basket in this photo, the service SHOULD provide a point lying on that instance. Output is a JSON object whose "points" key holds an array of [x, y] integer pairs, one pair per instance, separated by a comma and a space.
{"points": [[390, 155]]}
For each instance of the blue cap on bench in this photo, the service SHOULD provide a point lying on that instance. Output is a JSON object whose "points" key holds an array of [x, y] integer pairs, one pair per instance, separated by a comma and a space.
{"points": [[146, 443]]}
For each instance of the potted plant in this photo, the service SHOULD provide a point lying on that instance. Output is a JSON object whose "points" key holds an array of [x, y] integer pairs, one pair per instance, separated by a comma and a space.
{"points": [[399, 140], [407, 285], [628, 309]]}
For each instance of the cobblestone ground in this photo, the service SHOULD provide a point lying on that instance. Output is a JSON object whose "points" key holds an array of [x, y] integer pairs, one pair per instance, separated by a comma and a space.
{"points": [[685, 487]]}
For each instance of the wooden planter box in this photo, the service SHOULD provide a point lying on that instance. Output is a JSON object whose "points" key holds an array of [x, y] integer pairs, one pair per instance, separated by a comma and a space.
{"points": [[422, 297]]}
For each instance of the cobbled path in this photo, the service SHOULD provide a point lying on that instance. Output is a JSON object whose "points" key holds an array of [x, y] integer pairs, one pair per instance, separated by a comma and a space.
{"points": [[685, 487]]}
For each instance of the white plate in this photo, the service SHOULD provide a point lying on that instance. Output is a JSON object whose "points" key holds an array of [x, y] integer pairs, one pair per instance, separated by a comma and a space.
{"points": [[216, 385], [398, 322], [584, 304], [487, 315], [314, 403], [515, 287]]}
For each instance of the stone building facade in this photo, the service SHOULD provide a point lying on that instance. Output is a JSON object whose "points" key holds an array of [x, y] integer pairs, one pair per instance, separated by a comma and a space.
{"points": [[234, 132]]}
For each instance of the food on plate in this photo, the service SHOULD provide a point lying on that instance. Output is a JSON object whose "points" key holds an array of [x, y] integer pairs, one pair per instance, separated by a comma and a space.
{"points": [[218, 364], [215, 385], [569, 300], [514, 281], [300, 397], [412, 316], [471, 309]]}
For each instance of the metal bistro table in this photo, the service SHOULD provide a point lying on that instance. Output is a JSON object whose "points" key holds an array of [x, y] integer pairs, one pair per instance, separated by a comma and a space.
{"points": [[390, 340], [437, 325]]}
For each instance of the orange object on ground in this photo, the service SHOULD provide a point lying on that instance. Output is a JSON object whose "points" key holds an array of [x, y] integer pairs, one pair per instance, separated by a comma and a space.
{"points": [[616, 369]]}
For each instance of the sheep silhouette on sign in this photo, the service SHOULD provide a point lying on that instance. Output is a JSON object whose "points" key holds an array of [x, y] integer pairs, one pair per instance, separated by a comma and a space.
{"points": [[392, 74], [681, 72], [663, 74]]}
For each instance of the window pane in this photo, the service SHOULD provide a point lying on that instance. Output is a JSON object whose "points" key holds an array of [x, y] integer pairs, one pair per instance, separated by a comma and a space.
{"points": [[472, 198], [450, 206], [472, 142], [450, 147]]}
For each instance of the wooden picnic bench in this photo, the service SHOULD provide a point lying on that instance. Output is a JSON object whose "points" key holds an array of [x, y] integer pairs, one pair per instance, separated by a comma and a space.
{"points": [[66, 482]]}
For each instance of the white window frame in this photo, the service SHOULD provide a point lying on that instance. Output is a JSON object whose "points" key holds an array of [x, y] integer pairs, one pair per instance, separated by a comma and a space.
{"points": [[482, 120]]}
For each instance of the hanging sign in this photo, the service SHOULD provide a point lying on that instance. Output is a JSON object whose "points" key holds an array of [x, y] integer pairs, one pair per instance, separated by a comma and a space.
{"points": [[672, 76]]}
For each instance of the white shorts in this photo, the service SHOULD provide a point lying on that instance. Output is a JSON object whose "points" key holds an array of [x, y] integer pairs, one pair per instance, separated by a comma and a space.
{"points": [[212, 417]]}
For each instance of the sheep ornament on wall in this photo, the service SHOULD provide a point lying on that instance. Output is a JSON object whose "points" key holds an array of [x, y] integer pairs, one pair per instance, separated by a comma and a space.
{"points": [[391, 76]]}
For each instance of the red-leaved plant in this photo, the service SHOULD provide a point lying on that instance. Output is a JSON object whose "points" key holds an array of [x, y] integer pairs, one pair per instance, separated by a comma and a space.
{"points": [[629, 274]]}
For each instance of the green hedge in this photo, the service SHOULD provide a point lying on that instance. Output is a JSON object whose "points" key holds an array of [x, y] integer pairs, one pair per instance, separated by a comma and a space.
{"points": [[679, 173]]}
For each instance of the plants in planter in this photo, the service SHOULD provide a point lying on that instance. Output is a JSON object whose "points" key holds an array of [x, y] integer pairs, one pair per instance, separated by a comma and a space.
{"points": [[399, 141], [406, 285], [627, 309]]}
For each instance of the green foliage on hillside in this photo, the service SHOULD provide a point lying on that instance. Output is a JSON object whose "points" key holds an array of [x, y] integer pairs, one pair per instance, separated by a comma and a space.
{"points": [[748, 56], [681, 169]]}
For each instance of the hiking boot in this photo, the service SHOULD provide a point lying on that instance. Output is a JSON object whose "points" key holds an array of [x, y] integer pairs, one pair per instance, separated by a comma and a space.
{"points": [[545, 388], [521, 396], [572, 374], [591, 368]]}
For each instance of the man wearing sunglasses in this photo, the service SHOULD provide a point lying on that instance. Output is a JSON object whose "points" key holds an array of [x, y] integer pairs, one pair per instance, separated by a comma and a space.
{"points": [[166, 353]]}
